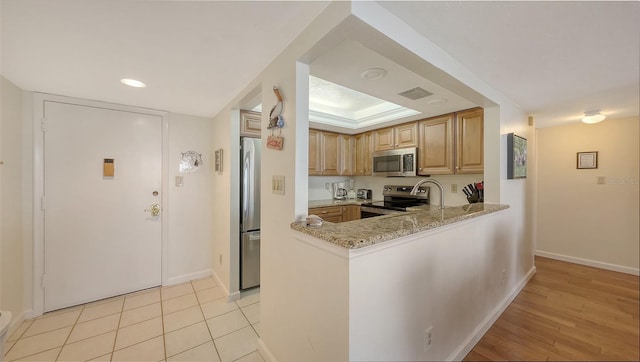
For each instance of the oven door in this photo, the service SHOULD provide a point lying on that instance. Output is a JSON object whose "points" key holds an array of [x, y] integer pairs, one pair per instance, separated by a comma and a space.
{"points": [[367, 212]]}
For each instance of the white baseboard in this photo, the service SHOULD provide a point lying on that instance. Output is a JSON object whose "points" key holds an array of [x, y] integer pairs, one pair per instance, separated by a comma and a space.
{"points": [[16, 321], [233, 296], [188, 277], [466, 347], [29, 314], [265, 352], [230, 296], [588, 262]]}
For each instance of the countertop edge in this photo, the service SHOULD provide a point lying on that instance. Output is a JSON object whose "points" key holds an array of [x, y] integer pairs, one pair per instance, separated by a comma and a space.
{"points": [[368, 232]]}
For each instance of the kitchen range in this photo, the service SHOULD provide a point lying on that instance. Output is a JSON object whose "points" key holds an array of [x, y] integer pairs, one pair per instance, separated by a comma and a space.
{"points": [[397, 198]]}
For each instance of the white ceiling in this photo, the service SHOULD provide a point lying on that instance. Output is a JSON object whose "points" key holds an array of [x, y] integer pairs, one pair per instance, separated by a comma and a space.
{"points": [[556, 59], [194, 56]]}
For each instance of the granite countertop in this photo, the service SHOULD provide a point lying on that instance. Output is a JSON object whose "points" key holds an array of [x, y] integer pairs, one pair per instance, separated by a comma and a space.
{"points": [[333, 202], [365, 232]]}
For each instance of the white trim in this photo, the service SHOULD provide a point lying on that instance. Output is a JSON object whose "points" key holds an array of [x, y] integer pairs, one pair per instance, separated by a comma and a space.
{"points": [[588, 262], [164, 255], [468, 344], [38, 185], [230, 296], [188, 277], [16, 321], [265, 351], [29, 314], [234, 296]]}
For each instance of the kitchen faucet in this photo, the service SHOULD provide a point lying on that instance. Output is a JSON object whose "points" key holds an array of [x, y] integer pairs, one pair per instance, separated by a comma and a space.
{"points": [[414, 190]]}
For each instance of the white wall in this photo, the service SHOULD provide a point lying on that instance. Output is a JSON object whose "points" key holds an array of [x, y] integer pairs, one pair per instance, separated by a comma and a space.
{"points": [[11, 187], [449, 279], [189, 237], [226, 190], [285, 295], [297, 305], [190, 206], [578, 219]]}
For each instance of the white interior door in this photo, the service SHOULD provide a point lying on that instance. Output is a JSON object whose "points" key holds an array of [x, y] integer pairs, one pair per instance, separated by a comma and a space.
{"points": [[98, 239]]}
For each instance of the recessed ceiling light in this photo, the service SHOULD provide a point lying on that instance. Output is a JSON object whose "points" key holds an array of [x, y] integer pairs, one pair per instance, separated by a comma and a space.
{"points": [[593, 117], [436, 101], [133, 83], [373, 74]]}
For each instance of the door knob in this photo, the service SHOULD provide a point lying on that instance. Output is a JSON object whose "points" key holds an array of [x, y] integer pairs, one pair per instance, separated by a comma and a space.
{"points": [[155, 210]]}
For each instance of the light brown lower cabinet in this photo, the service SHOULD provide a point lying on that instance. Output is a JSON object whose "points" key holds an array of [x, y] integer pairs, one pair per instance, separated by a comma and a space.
{"points": [[351, 212], [337, 213]]}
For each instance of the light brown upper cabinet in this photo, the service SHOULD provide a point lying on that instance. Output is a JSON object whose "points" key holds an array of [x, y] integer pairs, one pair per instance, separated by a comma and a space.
{"points": [[347, 155], [435, 152], [363, 157], [250, 124], [452, 144], [330, 153], [401, 136], [470, 141], [324, 153], [315, 166]]}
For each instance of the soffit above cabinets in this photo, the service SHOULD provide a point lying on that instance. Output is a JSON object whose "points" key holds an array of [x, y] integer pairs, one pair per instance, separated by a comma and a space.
{"points": [[339, 96], [333, 104]]}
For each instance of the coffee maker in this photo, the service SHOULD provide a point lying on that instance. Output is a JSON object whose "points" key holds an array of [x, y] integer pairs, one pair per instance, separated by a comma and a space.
{"points": [[339, 190]]}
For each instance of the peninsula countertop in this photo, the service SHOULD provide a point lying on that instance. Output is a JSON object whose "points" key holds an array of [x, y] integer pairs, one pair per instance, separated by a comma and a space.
{"points": [[365, 232]]}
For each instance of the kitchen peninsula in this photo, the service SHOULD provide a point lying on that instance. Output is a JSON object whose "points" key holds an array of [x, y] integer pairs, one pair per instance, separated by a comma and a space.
{"points": [[366, 232], [392, 278]]}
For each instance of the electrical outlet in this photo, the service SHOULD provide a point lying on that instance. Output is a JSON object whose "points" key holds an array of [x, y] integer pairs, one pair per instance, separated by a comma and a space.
{"points": [[503, 278], [602, 180], [454, 188], [428, 343], [327, 186]]}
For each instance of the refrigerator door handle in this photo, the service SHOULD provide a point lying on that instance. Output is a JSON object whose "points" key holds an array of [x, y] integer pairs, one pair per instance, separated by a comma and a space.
{"points": [[247, 187]]}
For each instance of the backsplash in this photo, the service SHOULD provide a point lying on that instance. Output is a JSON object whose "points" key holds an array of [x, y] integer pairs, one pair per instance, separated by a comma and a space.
{"points": [[317, 189]]}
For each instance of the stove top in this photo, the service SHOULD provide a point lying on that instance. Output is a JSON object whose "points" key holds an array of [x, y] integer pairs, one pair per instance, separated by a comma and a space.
{"points": [[400, 205], [398, 197]]}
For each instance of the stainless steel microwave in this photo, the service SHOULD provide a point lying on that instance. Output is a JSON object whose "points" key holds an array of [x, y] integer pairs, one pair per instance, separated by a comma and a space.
{"points": [[398, 162]]}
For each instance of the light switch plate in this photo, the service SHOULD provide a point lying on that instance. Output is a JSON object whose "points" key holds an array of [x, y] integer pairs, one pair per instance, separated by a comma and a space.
{"points": [[179, 181], [277, 185], [602, 180]]}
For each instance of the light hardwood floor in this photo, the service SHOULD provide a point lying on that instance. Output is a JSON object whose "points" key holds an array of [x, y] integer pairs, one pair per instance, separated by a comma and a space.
{"points": [[567, 312]]}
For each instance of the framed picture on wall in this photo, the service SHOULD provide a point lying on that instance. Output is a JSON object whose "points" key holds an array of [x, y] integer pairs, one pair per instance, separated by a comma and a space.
{"points": [[516, 156], [587, 160]]}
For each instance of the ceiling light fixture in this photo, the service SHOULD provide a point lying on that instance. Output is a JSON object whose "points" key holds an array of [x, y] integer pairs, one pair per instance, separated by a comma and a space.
{"points": [[373, 74], [436, 101], [133, 83], [591, 117]]}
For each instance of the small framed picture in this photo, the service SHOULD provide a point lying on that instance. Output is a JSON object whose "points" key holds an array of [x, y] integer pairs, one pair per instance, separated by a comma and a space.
{"points": [[516, 157], [587, 160]]}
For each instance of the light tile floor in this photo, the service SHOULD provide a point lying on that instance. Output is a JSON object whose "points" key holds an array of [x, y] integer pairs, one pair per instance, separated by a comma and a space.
{"points": [[185, 322]]}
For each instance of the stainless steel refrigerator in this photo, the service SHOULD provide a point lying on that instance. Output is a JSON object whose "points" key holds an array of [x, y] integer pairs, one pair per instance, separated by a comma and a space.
{"points": [[250, 212]]}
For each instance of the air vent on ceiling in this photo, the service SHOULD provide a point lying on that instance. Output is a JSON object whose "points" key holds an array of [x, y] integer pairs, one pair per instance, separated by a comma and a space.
{"points": [[415, 93]]}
